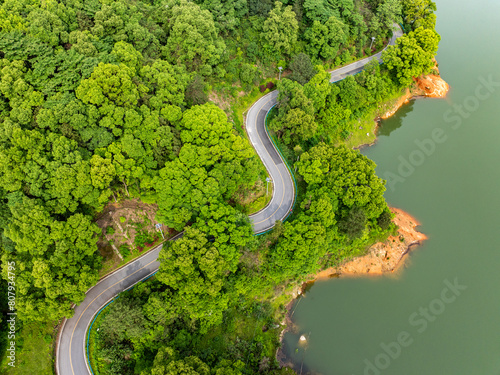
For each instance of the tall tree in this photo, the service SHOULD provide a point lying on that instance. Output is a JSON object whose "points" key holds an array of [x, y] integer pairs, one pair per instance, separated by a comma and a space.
{"points": [[302, 68], [325, 40], [109, 85], [389, 12], [121, 21], [259, 8], [419, 13], [318, 88], [194, 270], [165, 84], [279, 32], [193, 39], [227, 14], [346, 175], [228, 229], [412, 55], [295, 127], [299, 251]]}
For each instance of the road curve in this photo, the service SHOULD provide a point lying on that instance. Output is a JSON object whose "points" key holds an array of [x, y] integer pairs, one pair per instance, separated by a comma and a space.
{"points": [[357, 66], [71, 356], [283, 197], [283, 186]]}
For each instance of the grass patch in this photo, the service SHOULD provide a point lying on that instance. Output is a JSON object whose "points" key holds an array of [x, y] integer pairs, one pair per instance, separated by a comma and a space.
{"points": [[254, 199], [259, 203], [364, 132], [34, 350], [365, 128]]}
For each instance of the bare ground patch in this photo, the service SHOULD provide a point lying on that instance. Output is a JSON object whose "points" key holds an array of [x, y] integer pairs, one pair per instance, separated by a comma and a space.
{"points": [[220, 101], [121, 223]]}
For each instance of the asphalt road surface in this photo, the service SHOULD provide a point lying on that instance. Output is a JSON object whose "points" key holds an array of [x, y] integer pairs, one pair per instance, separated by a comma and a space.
{"points": [[283, 187], [357, 66], [71, 356]]}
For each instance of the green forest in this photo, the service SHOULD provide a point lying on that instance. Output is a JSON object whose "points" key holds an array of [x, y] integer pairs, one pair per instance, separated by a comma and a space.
{"points": [[105, 101]]}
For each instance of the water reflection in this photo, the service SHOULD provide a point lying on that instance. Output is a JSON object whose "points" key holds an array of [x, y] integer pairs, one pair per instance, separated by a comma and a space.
{"points": [[395, 122]]}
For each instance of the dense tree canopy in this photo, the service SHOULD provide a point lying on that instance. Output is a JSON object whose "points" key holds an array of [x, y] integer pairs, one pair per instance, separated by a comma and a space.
{"points": [[347, 175], [167, 362], [412, 55], [56, 260], [302, 68], [419, 13], [325, 39], [280, 30], [193, 38], [196, 266], [212, 163]]}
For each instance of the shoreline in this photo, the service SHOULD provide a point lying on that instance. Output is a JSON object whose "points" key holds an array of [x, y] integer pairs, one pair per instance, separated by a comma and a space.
{"points": [[428, 86], [383, 258]]}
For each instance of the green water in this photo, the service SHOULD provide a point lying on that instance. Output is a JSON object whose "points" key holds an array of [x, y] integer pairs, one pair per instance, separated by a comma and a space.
{"points": [[455, 193]]}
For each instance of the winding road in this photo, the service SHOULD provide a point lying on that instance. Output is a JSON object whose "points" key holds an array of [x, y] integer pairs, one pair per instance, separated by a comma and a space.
{"points": [[71, 357]]}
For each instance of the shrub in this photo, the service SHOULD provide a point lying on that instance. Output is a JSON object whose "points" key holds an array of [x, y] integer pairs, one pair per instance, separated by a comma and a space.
{"points": [[252, 51], [270, 85], [384, 220], [247, 73], [143, 237], [353, 223], [195, 92], [125, 250]]}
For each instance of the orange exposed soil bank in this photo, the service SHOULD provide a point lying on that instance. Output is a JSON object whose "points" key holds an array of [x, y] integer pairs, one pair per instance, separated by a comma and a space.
{"points": [[429, 86], [382, 257]]}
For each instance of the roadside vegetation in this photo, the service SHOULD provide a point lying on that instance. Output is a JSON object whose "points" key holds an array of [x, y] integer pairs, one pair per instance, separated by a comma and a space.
{"points": [[34, 349], [104, 103]]}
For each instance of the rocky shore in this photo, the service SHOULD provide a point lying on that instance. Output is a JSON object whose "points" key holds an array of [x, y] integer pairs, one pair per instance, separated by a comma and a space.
{"points": [[429, 86], [382, 257]]}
